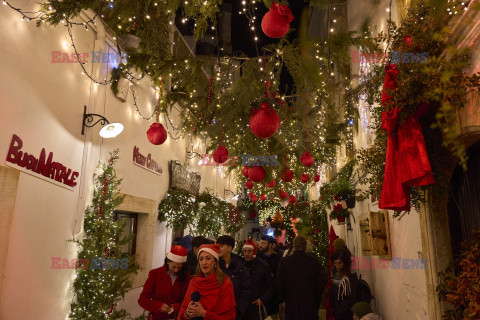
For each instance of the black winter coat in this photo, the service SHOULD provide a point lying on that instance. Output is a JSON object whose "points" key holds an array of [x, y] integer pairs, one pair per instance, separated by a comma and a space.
{"points": [[192, 262], [342, 307], [263, 286], [242, 286], [273, 260], [300, 282]]}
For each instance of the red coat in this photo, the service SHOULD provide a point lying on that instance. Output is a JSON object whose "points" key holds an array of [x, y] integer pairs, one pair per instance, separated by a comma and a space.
{"points": [[218, 301], [158, 290]]}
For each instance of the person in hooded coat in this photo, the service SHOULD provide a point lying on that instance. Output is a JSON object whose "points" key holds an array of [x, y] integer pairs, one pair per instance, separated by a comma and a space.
{"points": [[210, 293], [300, 283], [165, 287], [345, 290]]}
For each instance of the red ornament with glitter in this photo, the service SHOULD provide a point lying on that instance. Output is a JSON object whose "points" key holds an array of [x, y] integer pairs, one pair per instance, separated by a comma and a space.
{"points": [[292, 199], [276, 22], [263, 197], [220, 155], [249, 184], [271, 184], [304, 178], [283, 194], [264, 121], [157, 134], [307, 160], [316, 178], [287, 175], [245, 171], [257, 173]]}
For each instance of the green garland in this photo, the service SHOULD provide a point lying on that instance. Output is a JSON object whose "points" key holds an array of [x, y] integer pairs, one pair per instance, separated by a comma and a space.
{"points": [[204, 214]]}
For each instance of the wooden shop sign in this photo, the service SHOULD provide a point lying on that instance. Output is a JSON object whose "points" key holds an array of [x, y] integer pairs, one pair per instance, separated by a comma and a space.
{"points": [[184, 178], [146, 162], [41, 167]]}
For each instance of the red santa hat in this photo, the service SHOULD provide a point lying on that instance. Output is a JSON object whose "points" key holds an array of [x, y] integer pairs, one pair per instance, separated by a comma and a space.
{"points": [[252, 245], [213, 249], [177, 254]]}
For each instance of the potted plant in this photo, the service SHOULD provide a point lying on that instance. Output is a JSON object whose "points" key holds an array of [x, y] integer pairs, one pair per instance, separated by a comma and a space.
{"points": [[339, 213]]}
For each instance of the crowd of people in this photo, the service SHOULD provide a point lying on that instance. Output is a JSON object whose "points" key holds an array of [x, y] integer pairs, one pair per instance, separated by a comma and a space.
{"points": [[264, 281]]}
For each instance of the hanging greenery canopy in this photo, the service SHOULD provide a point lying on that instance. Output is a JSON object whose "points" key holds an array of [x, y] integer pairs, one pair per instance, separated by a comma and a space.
{"points": [[204, 214]]}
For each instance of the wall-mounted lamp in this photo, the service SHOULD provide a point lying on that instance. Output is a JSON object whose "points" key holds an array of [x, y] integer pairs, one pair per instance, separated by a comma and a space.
{"points": [[110, 130], [193, 155]]}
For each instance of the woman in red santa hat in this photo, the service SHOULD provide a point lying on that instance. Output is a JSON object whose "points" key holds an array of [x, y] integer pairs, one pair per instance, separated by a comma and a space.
{"points": [[165, 287], [210, 293]]}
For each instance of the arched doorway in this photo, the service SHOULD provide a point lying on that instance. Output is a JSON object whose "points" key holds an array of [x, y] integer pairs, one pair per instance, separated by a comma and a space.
{"points": [[464, 199]]}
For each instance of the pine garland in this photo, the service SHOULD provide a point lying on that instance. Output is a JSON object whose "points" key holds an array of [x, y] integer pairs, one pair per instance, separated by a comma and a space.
{"points": [[97, 289]]}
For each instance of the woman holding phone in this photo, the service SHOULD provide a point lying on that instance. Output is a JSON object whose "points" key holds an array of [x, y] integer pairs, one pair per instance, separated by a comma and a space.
{"points": [[165, 287]]}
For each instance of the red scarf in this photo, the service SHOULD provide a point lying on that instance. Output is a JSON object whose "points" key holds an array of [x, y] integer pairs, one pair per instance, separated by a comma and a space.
{"points": [[213, 296]]}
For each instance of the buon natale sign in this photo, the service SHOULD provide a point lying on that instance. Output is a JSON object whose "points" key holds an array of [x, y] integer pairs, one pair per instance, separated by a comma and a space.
{"points": [[42, 167]]}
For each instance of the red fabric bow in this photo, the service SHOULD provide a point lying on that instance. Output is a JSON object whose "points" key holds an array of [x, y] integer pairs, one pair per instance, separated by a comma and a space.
{"points": [[407, 161], [282, 10]]}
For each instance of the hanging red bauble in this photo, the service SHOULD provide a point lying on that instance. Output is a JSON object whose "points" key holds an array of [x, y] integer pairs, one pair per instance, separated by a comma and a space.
{"points": [[283, 194], [256, 173], [220, 155], [157, 134], [287, 175], [249, 184], [304, 178], [307, 160], [292, 199], [316, 178], [272, 184], [264, 121], [254, 198], [263, 197], [245, 171], [276, 22], [251, 194]]}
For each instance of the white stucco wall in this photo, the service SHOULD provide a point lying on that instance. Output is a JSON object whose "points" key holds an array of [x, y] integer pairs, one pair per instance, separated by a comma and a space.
{"points": [[42, 102]]}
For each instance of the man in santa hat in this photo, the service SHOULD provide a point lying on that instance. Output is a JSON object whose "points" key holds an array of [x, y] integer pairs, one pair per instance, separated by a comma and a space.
{"points": [[263, 285]]}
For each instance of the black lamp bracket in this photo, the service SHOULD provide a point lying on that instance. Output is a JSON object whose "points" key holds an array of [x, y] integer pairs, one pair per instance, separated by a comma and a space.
{"points": [[88, 120]]}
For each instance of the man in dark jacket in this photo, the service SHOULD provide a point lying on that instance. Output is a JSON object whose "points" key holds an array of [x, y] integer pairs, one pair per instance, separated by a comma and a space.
{"points": [[268, 254], [263, 286], [300, 283], [234, 267], [192, 254]]}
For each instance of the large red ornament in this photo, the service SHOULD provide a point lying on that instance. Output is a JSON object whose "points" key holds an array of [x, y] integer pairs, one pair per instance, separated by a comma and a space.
{"points": [[245, 171], [272, 184], [287, 175], [316, 178], [276, 22], [283, 194], [264, 121], [249, 184], [256, 173], [157, 134], [304, 178], [263, 197], [292, 199], [220, 155], [307, 160]]}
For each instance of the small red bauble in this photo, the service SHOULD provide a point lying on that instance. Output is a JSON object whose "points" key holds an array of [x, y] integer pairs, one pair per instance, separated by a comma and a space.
{"points": [[292, 199], [245, 171], [250, 195], [304, 178], [220, 155], [157, 134], [316, 178], [254, 198], [264, 121], [283, 194], [272, 184], [307, 160], [249, 184], [263, 197], [256, 173], [287, 175], [276, 22]]}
